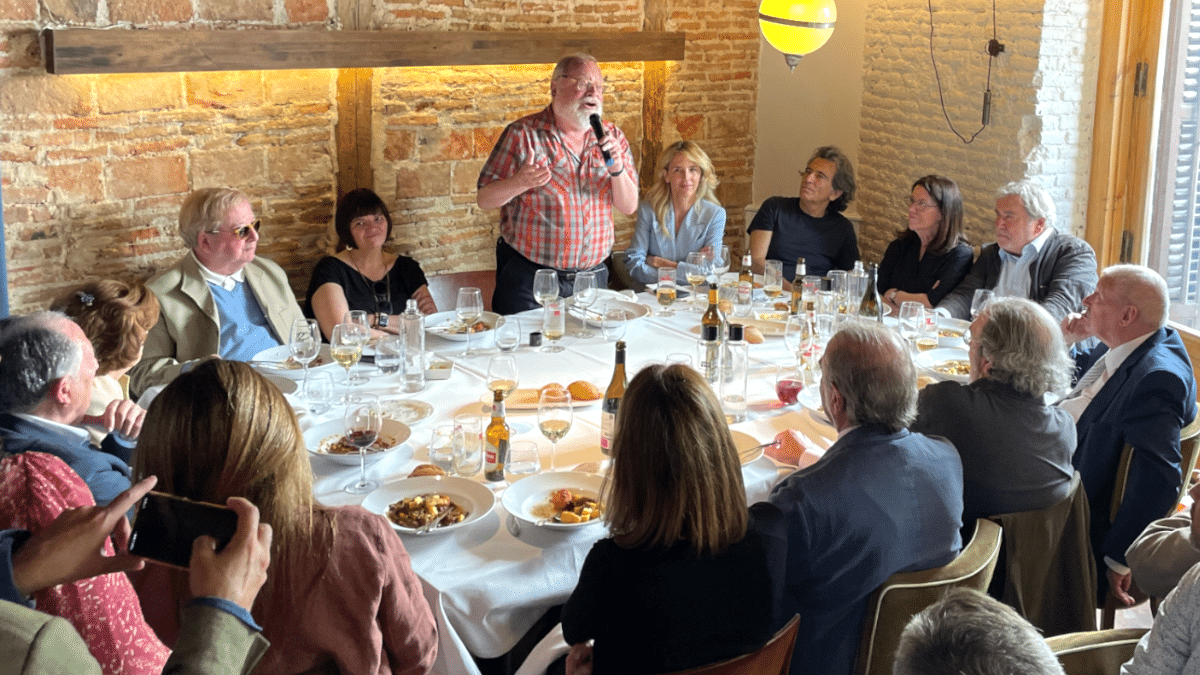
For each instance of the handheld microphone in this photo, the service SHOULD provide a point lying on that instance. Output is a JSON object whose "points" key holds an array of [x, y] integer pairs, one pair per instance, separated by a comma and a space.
{"points": [[598, 129]]}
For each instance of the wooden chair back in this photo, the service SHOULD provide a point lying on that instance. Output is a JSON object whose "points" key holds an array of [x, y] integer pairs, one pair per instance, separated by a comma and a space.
{"points": [[444, 287], [773, 658]]}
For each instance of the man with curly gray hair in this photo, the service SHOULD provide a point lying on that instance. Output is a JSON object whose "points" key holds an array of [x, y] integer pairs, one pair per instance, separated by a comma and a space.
{"points": [[1030, 258], [1015, 449], [881, 500]]}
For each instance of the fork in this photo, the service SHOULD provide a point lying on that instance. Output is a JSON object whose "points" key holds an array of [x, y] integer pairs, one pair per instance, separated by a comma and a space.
{"points": [[434, 523]]}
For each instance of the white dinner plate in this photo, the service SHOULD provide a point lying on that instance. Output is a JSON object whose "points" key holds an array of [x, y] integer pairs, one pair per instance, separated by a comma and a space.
{"points": [[527, 399], [958, 326], [321, 436], [274, 361], [474, 498], [931, 360], [529, 498], [744, 442], [633, 311], [406, 410], [440, 324]]}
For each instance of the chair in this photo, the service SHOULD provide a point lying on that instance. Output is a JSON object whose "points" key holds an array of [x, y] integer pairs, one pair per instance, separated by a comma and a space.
{"points": [[1098, 652], [1047, 571], [444, 287], [1189, 451], [773, 658], [621, 279], [903, 595]]}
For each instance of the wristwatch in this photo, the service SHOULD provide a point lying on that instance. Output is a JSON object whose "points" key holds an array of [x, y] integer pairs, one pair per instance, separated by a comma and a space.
{"points": [[891, 296]]}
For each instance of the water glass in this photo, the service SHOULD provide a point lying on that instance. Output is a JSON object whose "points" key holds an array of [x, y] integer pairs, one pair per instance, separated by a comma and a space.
{"points": [[912, 316], [389, 354], [508, 333], [982, 297], [318, 393], [441, 447], [773, 279], [468, 445], [837, 284], [523, 460], [613, 323], [554, 324]]}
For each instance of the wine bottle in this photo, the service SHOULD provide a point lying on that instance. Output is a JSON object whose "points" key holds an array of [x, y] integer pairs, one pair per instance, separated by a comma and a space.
{"points": [[612, 401], [745, 287], [713, 316], [798, 286], [871, 307], [497, 441]]}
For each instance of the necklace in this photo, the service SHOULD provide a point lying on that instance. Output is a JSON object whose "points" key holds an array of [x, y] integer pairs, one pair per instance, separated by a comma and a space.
{"points": [[382, 290]]}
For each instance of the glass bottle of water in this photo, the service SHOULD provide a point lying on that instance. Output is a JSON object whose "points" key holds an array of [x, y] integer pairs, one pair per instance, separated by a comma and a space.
{"points": [[736, 369], [856, 285], [412, 327]]}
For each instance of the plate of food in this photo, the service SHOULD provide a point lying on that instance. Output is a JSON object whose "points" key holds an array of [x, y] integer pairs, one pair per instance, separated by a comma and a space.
{"points": [[278, 361], [952, 332], [328, 439], [448, 325], [748, 447], [560, 500], [410, 504], [810, 397], [594, 314], [583, 393], [946, 364], [406, 411]]}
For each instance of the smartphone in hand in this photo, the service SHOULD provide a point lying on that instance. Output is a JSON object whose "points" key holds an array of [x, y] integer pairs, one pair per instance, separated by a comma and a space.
{"points": [[165, 527]]}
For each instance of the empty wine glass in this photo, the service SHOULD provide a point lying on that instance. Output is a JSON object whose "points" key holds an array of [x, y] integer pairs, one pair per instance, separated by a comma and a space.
{"points": [[666, 290], [345, 349], [502, 374], [469, 309], [797, 335], [545, 286], [305, 343], [554, 323], [721, 261], [554, 417], [695, 273], [912, 315], [982, 297], [583, 296], [364, 421]]}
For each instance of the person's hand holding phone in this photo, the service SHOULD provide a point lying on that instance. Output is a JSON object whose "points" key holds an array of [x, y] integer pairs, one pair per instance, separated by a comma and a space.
{"points": [[240, 569], [71, 548]]}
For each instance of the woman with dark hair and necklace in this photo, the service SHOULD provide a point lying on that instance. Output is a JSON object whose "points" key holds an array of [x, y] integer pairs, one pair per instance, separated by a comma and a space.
{"points": [[361, 275]]}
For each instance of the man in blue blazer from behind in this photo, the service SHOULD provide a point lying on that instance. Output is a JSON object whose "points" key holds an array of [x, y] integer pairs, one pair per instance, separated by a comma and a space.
{"points": [[1135, 388]]}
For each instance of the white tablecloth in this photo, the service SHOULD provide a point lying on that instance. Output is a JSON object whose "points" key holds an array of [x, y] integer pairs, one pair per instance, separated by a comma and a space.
{"points": [[486, 586]]}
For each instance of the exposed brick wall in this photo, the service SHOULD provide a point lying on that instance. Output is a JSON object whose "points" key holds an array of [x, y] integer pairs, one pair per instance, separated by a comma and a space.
{"points": [[93, 168], [1043, 97]]}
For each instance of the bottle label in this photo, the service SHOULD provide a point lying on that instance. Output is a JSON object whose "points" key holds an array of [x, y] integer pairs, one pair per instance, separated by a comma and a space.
{"points": [[608, 429]]}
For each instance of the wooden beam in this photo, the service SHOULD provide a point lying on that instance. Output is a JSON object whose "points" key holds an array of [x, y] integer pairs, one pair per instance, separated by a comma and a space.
{"points": [[82, 51], [353, 131]]}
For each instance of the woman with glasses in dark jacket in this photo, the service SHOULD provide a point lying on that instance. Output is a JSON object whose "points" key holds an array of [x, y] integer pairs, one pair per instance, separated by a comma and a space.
{"points": [[931, 256]]}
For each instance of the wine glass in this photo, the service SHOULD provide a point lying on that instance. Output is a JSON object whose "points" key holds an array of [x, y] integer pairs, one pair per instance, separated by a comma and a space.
{"points": [[613, 323], [720, 261], [545, 286], [305, 343], [978, 303], [364, 421], [794, 334], [554, 417], [789, 382], [345, 349], [554, 323], [912, 315], [362, 333], [469, 309], [583, 295], [695, 273], [502, 374], [773, 279], [666, 290]]}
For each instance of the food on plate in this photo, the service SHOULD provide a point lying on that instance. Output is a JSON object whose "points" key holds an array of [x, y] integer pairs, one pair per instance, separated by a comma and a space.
{"points": [[420, 510], [338, 445], [292, 364], [582, 390], [949, 333], [953, 367], [772, 316], [477, 327], [753, 335], [427, 470], [569, 507]]}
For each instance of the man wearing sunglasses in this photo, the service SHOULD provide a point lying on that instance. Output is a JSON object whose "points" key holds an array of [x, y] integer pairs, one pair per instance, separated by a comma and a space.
{"points": [[556, 180], [219, 299]]}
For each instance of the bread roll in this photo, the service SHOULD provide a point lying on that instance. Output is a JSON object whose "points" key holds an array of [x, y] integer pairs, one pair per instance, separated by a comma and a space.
{"points": [[582, 390], [725, 306], [753, 335], [427, 470], [553, 386]]}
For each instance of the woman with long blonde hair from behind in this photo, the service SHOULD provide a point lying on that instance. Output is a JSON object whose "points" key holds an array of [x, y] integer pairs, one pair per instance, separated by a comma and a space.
{"points": [[341, 591], [680, 215]]}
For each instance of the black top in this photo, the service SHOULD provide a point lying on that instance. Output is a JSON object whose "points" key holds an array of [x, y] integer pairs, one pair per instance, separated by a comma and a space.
{"points": [[404, 278], [827, 243], [902, 268], [663, 610]]}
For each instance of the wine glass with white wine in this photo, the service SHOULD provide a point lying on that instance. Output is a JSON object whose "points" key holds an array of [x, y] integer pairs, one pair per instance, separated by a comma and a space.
{"points": [[545, 286], [554, 417], [502, 374], [665, 292], [695, 273], [362, 333], [345, 349], [469, 309]]}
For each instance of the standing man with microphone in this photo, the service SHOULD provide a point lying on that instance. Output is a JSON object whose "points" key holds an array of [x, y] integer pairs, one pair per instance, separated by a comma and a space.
{"points": [[555, 176]]}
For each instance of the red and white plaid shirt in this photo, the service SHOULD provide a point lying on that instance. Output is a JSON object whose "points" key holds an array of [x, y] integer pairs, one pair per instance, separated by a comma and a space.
{"points": [[566, 223]]}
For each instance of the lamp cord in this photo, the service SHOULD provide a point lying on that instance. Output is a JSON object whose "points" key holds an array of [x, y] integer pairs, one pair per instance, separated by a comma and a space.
{"points": [[994, 49]]}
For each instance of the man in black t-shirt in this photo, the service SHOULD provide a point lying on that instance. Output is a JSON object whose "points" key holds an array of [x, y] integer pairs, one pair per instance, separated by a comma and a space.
{"points": [[811, 227]]}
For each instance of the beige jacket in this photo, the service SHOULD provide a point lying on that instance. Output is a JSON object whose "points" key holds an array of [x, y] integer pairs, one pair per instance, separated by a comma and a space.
{"points": [[188, 326], [1162, 554]]}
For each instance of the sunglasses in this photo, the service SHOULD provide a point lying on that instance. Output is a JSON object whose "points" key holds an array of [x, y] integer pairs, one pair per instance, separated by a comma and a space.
{"points": [[383, 298], [240, 232]]}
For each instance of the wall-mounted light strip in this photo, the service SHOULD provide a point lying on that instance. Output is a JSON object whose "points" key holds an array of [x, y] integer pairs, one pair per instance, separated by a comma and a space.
{"points": [[86, 51]]}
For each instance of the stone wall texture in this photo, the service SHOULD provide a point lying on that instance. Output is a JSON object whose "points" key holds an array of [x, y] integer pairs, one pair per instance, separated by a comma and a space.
{"points": [[1043, 99], [93, 168]]}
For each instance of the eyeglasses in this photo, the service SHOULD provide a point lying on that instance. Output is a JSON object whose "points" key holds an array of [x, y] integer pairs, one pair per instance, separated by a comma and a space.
{"points": [[921, 206], [240, 232], [368, 220], [383, 297], [582, 84]]}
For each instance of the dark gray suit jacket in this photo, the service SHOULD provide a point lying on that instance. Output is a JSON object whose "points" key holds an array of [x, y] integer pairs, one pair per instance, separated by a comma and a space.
{"points": [[1063, 274]]}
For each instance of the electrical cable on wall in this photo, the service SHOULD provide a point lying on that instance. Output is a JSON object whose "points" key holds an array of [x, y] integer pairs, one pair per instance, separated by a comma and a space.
{"points": [[994, 49]]}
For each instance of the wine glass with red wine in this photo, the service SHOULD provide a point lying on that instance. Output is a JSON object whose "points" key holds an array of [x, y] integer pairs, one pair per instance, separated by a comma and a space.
{"points": [[364, 421], [789, 382]]}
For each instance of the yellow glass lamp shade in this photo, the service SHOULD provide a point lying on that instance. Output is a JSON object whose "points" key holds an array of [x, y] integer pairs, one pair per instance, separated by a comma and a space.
{"points": [[796, 27]]}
